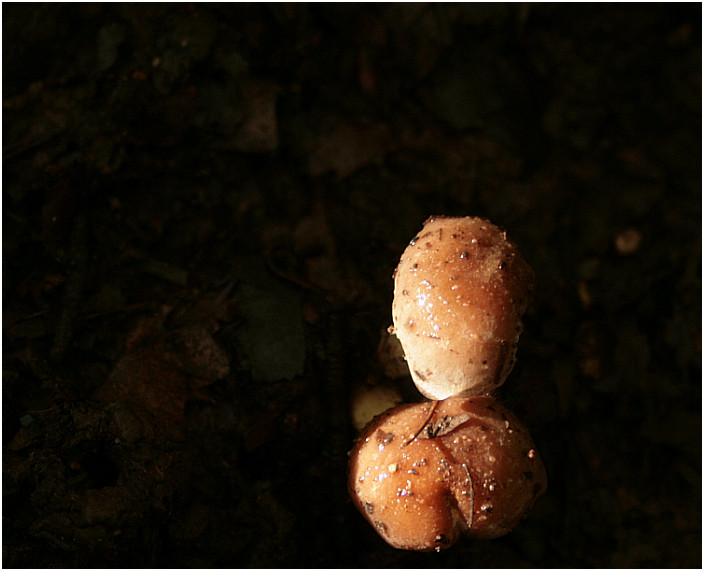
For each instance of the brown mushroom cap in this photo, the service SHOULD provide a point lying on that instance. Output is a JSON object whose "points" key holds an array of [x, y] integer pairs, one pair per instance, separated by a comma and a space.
{"points": [[473, 469], [460, 290]]}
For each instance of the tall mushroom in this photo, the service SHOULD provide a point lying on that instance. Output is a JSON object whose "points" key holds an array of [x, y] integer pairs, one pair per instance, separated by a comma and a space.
{"points": [[424, 474]]}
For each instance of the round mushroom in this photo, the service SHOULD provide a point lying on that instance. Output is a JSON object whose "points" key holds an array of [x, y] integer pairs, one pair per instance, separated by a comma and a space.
{"points": [[460, 291], [472, 469]]}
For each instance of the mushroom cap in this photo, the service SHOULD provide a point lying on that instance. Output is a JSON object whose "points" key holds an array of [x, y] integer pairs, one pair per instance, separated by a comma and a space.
{"points": [[460, 290], [472, 470]]}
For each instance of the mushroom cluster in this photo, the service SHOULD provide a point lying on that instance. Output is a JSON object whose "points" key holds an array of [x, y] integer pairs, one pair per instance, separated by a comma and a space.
{"points": [[462, 464]]}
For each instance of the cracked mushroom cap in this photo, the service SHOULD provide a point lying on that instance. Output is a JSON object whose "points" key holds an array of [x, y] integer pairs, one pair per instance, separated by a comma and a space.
{"points": [[473, 469], [460, 291]]}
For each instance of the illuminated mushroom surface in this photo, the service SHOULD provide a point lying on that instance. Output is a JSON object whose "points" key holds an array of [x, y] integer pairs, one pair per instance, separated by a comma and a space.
{"points": [[424, 477], [460, 290]]}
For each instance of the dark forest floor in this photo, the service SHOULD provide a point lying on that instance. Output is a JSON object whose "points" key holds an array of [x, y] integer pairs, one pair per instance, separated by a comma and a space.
{"points": [[202, 209]]}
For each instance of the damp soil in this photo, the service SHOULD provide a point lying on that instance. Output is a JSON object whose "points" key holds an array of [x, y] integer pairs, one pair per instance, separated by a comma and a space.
{"points": [[203, 205]]}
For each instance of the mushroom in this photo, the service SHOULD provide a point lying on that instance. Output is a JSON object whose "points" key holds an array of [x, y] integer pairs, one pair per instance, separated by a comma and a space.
{"points": [[369, 400], [472, 469], [460, 290]]}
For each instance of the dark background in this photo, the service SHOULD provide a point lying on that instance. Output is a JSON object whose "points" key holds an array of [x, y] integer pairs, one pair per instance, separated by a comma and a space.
{"points": [[202, 209]]}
